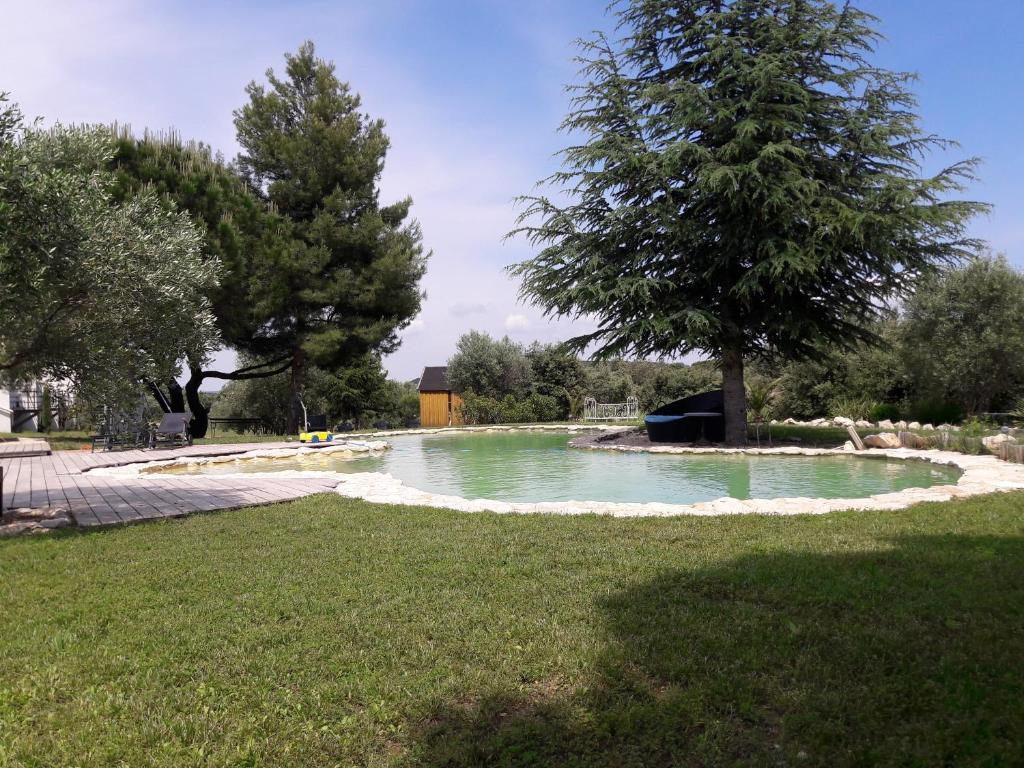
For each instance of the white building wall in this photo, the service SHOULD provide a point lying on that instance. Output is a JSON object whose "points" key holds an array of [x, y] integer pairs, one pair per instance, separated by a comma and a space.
{"points": [[10, 401], [6, 415]]}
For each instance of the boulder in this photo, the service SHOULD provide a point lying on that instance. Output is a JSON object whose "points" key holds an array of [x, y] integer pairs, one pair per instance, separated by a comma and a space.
{"points": [[914, 425], [901, 425], [862, 424], [842, 421], [928, 427], [886, 424], [29, 520], [882, 440], [918, 442], [992, 442], [819, 423], [790, 420]]}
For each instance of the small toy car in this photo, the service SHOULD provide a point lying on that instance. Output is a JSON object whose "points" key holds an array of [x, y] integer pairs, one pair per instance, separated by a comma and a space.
{"points": [[319, 436]]}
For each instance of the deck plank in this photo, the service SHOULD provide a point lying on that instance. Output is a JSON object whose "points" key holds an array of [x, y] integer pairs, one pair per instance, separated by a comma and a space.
{"points": [[63, 478]]}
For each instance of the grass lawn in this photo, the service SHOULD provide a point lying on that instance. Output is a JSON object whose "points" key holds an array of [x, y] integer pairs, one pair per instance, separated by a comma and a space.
{"points": [[334, 632], [815, 437], [59, 441]]}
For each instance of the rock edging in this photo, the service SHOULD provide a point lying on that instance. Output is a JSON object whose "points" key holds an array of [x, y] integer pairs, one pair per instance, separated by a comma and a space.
{"points": [[981, 475]]}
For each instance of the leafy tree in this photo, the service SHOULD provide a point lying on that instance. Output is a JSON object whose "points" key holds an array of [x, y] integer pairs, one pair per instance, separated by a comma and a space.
{"points": [[747, 182], [557, 373], [489, 367], [315, 269], [963, 335], [93, 291], [349, 281], [834, 378], [606, 382], [242, 234], [359, 393], [657, 384]]}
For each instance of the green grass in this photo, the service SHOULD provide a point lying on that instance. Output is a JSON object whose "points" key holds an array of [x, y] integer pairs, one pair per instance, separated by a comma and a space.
{"points": [[334, 632], [59, 441], [815, 437]]}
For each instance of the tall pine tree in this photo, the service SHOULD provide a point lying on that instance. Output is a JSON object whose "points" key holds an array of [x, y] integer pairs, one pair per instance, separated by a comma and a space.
{"points": [[350, 279], [747, 182]]}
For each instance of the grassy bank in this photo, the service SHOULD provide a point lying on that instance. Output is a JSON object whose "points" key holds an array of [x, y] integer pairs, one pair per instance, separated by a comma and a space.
{"points": [[334, 632]]}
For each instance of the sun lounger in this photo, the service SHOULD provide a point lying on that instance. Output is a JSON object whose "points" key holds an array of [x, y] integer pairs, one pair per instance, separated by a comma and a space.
{"points": [[173, 431]]}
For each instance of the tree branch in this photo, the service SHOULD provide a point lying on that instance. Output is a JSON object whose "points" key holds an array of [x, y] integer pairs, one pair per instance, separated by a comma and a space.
{"points": [[244, 374]]}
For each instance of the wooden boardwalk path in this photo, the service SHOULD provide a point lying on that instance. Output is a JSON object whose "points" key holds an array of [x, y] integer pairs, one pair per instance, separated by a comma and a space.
{"points": [[61, 479], [10, 449]]}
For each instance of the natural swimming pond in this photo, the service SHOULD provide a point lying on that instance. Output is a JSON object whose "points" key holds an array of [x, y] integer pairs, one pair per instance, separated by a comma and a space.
{"points": [[536, 466]]}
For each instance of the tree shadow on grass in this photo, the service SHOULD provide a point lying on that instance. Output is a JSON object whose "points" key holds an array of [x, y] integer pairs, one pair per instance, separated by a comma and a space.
{"points": [[908, 656]]}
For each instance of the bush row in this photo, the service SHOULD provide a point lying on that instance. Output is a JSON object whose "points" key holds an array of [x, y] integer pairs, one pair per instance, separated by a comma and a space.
{"points": [[481, 409]]}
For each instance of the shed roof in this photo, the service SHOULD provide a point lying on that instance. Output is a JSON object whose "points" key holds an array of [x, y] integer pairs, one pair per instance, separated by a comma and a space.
{"points": [[434, 379]]}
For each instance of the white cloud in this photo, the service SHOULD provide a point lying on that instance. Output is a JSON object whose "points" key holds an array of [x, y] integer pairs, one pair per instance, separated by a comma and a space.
{"points": [[516, 323]]}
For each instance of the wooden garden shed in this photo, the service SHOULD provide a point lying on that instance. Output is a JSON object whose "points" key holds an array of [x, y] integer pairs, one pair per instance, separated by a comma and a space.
{"points": [[438, 404]]}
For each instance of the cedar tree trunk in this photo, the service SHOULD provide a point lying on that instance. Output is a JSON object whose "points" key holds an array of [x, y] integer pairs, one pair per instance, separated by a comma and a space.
{"points": [[735, 397]]}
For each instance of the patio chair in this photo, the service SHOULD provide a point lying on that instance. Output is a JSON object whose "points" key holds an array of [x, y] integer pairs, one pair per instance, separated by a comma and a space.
{"points": [[121, 435], [172, 432]]}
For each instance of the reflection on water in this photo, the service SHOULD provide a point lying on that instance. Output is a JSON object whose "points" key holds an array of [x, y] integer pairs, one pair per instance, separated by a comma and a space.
{"points": [[525, 466]]}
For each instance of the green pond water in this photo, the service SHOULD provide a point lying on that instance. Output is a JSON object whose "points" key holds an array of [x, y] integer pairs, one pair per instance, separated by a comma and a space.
{"points": [[532, 466]]}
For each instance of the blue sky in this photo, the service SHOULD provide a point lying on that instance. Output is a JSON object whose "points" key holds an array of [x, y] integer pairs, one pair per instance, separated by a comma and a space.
{"points": [[472, 94]]}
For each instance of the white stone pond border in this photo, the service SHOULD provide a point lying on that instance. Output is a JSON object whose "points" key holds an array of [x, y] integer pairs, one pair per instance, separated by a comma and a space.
{"points": [[980, 475]]}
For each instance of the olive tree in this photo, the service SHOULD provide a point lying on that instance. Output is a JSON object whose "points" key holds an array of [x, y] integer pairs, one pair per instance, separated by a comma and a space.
{"points": [[94, 291], [963, 335]]}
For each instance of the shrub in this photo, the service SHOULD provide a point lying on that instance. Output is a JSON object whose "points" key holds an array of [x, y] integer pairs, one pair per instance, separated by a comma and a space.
{"points": [[936, 412], [1017, 410], [479, 409], [544, 407], [885, 412], [856, 408], [761, 396], [968, 438], [512, 410]]}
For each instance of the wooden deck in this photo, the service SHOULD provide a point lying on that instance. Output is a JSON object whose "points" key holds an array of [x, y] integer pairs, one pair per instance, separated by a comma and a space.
{"points": [[61, 479], [10, 449]]}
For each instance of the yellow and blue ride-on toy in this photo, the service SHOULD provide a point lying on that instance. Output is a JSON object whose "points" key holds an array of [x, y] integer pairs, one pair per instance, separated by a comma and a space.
{"points": [[317, 436]]}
